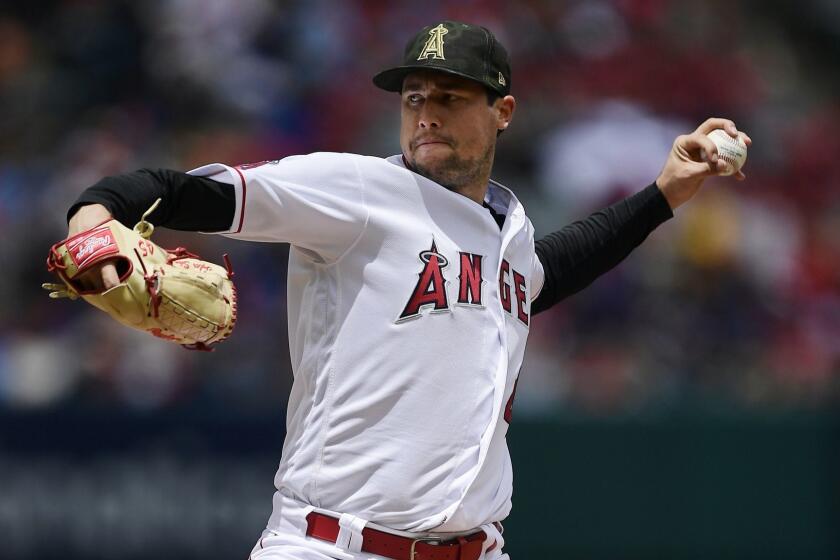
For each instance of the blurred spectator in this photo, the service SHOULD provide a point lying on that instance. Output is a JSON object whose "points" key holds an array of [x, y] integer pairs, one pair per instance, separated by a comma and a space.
{"points": [[604, 154]]}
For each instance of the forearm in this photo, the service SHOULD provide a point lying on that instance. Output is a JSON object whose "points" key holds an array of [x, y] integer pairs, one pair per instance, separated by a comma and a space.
{"points": [[188, 203], [576, 255]]}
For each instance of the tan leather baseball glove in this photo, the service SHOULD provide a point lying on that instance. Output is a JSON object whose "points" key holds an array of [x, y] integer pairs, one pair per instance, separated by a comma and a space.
{"points": [[172, 294]]}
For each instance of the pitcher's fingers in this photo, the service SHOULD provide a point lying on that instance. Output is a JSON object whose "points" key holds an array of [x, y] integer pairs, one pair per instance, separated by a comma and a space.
{"points": [[721, 166], [715, 123], [88, 282], [694, 142], [110, 278], [747, 139]]}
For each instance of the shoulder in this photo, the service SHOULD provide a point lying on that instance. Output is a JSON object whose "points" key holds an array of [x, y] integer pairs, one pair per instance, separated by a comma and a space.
{"points": [[372, 165], [317, 169], [318, 162], [379, 174], [336, 158], [338, 163]]}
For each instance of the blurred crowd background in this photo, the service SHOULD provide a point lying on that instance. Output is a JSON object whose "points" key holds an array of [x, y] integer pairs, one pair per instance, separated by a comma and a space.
{"points": [[733, 305]]}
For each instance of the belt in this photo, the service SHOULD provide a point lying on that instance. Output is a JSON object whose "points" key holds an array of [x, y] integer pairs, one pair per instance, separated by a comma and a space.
{"points": [[468, 547]]}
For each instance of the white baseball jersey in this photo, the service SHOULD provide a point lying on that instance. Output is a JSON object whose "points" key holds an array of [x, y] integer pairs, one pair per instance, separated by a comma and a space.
{"points": [[408, 315]]}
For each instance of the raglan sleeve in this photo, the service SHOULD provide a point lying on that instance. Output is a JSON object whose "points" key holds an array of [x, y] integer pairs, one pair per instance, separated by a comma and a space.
{"points": [[314, 202]]}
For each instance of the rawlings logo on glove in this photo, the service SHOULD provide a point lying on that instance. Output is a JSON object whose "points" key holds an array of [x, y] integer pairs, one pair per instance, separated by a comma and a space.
{"points": [[99, 243], [172, 294]]}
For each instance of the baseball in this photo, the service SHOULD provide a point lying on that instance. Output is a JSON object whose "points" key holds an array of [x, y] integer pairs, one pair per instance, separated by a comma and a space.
{"points": [[731, 150]]}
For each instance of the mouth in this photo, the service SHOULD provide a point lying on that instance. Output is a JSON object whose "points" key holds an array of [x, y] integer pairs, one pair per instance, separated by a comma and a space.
{"points": [[430, 142]]}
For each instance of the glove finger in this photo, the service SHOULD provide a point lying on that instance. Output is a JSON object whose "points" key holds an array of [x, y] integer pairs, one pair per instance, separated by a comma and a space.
{"points": [[60, 295], [58, 291], [99, 277]]}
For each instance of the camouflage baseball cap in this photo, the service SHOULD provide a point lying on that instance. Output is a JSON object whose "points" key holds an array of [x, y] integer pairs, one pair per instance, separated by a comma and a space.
{"points": [[456, 48]]}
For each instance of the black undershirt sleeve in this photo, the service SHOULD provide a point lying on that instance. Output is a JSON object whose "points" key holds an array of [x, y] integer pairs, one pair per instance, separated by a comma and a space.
{"points": [[188, 203], [576, 255]]}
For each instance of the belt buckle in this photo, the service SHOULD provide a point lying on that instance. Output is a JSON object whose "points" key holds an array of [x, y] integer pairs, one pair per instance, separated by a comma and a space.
{"points": [[412, 553]]}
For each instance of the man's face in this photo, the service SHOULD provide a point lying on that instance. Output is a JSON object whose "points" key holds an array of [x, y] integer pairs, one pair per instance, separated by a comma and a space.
{"points": [[448, 131]]}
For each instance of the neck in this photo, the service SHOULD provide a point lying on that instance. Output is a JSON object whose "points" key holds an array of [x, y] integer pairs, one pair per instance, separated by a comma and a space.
{"points": [[473, 185], [475, 192]]}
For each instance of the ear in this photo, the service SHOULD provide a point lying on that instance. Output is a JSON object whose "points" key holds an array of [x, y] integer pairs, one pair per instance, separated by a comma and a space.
{"points": [[504, 111]]}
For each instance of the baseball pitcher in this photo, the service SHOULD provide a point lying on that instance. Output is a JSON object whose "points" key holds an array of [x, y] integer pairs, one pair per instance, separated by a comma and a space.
{"points": [[412, 283]]}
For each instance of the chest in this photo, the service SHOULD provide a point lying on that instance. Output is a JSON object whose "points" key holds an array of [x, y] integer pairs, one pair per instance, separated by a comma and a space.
{"points": [[424, 257]]}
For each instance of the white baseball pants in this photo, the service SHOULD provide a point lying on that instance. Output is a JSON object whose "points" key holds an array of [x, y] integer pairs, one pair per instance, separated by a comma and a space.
{"points": [[286, 539]]}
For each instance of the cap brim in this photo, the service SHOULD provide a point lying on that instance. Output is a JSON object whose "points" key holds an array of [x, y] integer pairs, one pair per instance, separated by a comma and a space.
{"points": [[392, 79]]}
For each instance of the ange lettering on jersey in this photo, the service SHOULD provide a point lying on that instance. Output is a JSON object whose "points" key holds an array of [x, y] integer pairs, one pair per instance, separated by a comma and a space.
{"points": [[430, 289], [470, 280]]}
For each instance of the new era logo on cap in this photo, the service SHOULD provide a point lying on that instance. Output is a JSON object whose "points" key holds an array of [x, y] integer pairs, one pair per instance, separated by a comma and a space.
{"points": [[456, 48]]}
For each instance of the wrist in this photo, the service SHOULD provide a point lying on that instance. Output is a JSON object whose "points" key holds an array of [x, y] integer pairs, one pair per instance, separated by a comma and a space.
{"points": [[675, 192], [666, 193], [88, 216]]}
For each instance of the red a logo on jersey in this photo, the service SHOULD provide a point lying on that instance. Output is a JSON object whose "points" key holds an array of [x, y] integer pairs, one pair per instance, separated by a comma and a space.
{"points": [[431, 286]]}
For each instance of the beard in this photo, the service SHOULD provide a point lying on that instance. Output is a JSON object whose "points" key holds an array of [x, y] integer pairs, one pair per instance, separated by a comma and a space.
{"points": [[455, 172]]}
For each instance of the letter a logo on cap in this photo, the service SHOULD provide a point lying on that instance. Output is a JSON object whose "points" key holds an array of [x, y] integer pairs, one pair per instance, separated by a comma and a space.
{"points": [[434, 46]]}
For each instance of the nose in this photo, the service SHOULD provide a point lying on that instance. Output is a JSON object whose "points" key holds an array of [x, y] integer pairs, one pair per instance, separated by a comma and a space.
{"points": [[428, 118]]}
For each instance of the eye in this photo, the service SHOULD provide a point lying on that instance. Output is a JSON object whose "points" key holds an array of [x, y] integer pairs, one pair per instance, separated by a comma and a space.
{"points": [[413, 98]]}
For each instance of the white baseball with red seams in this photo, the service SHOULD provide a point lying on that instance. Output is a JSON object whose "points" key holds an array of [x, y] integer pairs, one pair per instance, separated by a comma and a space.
{"points": [[408, 315], [731, 150]]}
